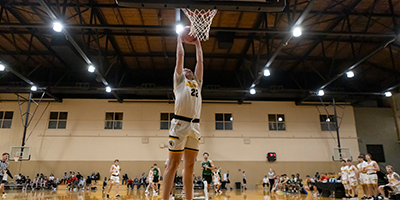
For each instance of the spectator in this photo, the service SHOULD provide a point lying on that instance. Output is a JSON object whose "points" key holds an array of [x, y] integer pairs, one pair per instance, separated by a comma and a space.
{"points": [[26, 184], [310, 186], [41, 177], [265, 181], [324, 178], [332, 178], [75, 182], [44, 182], [35, 183], [136, 182], [70, 182], [317, 176], [97, 177], [88, 182], [81, 183], [104, 183], [79, 175], [65, 178], [124, 179], [130, 183], [142, 181]]}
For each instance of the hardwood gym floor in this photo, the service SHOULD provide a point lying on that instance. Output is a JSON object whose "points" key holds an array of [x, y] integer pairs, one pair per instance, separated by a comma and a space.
{"points": [[61, 194]]}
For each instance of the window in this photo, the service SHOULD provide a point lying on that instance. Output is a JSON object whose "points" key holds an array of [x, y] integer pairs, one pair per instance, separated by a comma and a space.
{"points": [[223, 121], [113, 120], [376, 151], [328, 122], [58, 120], [165, 120], [276, 122], [6, 119]]}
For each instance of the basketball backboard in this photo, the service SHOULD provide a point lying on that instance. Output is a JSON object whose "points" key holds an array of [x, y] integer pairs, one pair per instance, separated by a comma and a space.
{"points": [[339, 153], [231, 5], [23, 152]]}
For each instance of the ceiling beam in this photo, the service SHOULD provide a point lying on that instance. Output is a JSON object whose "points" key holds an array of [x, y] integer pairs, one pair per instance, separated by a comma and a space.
{"points": [[171, 29], [20, 3]]}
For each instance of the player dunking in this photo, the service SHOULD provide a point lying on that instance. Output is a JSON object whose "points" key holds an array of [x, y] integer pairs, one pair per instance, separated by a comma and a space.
{"points": [[184, 134], [114, 179]]}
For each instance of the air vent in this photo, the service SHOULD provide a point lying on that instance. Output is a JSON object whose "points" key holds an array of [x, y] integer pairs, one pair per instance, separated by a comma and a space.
{"points": [[148, 85], [17, 84], [276, 87], [82, 85], [213, 87]]}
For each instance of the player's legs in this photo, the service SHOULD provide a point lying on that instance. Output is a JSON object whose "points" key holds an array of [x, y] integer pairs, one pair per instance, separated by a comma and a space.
{"points": [[189, 157], [169, 174], [109, 189], [117, 188]]}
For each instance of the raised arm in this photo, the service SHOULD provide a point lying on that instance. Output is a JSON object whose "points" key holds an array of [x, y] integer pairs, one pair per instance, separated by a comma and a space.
{"points": [[180, 55], [199, 57]]}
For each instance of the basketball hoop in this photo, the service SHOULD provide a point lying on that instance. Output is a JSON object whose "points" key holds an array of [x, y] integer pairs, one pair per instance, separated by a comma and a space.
{"points": [[16, 158], [200, 21]]}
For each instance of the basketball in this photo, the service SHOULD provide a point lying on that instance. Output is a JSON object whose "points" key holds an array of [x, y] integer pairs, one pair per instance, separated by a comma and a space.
{"points": [[186, 38]]}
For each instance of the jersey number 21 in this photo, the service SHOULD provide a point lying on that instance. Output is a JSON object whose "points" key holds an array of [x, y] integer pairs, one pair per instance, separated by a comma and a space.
{"points": [[195, 92]]}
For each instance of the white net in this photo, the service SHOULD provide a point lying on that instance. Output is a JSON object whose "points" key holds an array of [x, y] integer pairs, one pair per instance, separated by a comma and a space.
{"points": [[16, 158], [200, 22]]}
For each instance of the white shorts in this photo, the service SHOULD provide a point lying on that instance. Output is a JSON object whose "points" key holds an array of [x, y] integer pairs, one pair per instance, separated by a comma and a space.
{"points": [[352, 181], [183, 136], [346, 184], [114, 179], [151, 179], [361, 178], [216, 183], [371, 179]]}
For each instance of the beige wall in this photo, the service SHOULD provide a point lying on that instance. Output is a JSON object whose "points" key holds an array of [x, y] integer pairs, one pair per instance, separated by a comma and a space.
{"points": [[302, 147]]}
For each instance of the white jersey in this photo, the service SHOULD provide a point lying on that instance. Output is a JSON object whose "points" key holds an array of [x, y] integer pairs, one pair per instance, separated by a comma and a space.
{"points": [[394, 178], [265, 180], [271, 175], [115, 170], [151, 175], [188, 96], [370, 167], [351, 171], [344, 170], [360, 166], [216, 177]]}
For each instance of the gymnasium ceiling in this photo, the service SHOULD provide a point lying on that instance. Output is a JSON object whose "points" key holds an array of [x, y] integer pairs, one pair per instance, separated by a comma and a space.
{"points": [[133, 51]]}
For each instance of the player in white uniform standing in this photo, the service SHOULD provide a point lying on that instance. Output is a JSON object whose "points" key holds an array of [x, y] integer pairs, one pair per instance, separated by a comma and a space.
{"points": [[371, 179], [184, 134], [114, 179], [394, 182], [352, 174], [361, 174], [150, 178], [345, 181]]}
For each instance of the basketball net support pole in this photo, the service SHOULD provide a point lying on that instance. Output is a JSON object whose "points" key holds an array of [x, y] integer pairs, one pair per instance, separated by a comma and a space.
{"points": [[337, 128], [27, 121]]}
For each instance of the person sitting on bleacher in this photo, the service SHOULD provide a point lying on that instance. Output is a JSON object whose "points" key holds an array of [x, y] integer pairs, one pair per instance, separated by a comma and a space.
{"points": [[35, 182], [393, 186], [26, 183], [44, 182]]}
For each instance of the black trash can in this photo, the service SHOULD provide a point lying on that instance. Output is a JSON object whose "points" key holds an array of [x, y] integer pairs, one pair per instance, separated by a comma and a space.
{"points": [[238, 185]]}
